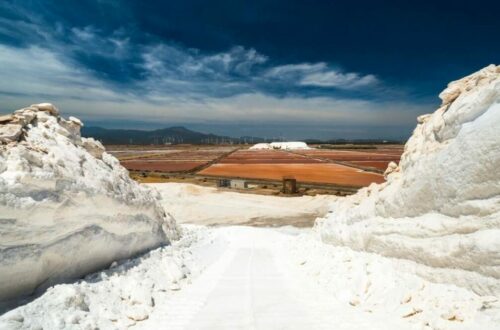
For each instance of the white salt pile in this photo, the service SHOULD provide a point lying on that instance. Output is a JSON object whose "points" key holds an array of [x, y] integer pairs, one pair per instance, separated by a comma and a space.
{"points": [[281, 145], [67, 207], [440, 208]]}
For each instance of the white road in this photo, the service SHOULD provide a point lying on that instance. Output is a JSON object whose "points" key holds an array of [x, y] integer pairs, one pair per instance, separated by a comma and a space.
{"points": [[238, 277], [251, 285]]}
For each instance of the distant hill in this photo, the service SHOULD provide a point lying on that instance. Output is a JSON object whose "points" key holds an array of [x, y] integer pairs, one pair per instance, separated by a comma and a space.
{"points": [[173, 135], [180, 134]]}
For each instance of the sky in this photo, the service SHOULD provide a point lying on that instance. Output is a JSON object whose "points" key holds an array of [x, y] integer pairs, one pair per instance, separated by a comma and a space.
{"points": [[270, 68]]}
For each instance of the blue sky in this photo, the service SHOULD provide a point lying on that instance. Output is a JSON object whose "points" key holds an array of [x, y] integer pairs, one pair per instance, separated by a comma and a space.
{"points": [[299, 69]]}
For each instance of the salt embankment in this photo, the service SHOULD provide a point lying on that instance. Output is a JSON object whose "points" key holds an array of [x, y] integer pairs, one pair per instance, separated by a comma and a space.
{"points": [[440, 208], [67, 207]]}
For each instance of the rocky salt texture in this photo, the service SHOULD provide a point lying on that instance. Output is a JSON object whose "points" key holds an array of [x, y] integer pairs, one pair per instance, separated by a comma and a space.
{"points": [[389, 289], [67, 207], [440, 208], [116, 298]]}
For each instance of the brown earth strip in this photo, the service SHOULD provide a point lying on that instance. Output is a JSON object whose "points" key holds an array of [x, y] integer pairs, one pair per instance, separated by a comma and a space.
{"points": [[320, 173]]}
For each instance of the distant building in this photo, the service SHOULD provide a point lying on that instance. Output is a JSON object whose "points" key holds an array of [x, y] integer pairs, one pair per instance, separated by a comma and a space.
{"points": [[289, 185], [238, 184], [232, 183], [223, 183]]}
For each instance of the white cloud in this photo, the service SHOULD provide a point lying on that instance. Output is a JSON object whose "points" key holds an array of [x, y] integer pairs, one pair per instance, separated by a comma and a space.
{"points": [[166, 83], [34, 75], [89, 40], [38, 72], [292, 70], [86, 34], [164, 59], [337, 79], [320, 75], [239, 70], [174, 68]]}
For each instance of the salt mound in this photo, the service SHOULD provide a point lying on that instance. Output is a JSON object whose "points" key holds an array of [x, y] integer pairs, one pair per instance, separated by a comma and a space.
{"points": [[67, 207], [440, 208], [280, 145], [260, 146]]}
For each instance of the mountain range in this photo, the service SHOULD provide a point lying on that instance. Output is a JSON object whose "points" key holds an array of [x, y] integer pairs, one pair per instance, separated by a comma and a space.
{"points": [[171, 135], [180, 134]]}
